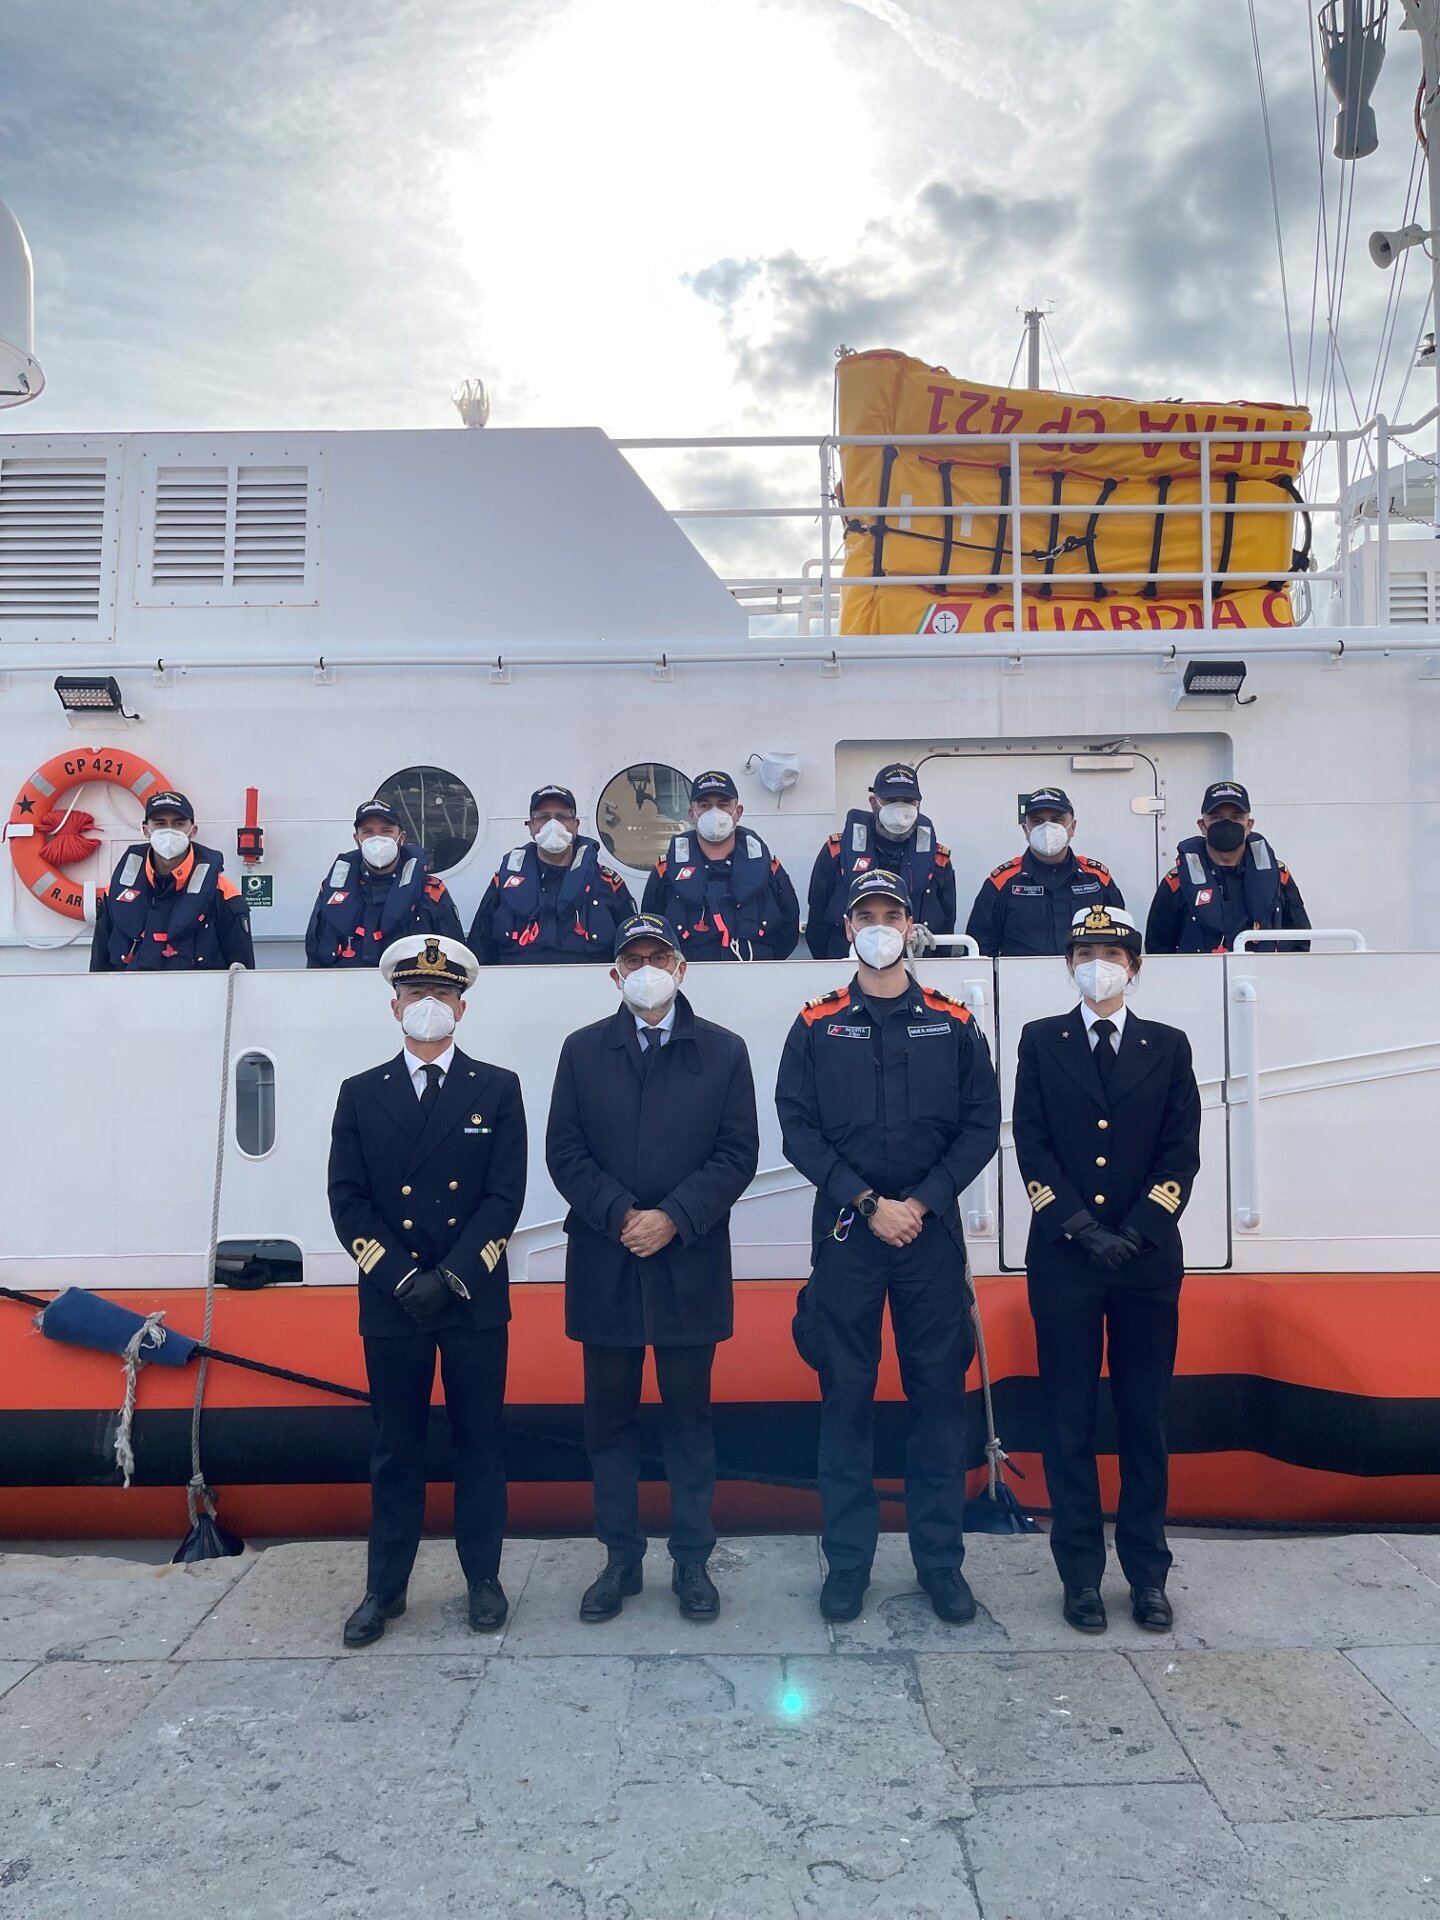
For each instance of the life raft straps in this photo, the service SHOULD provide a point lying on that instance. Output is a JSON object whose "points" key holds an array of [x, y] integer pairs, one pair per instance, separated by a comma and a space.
{"points": [[1052, 541], [947, 498], [1227, 537], [887, 465], [1151, 587], [1002, 528], [1300, 556], [1099, 589]]}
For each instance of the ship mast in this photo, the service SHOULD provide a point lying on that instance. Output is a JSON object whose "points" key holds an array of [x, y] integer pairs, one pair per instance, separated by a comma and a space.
{"points": [[1423, 17]]}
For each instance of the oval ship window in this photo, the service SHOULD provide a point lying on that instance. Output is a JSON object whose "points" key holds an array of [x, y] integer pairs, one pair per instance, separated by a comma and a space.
{"points": [[255, 1104], [437, 810], [640, 809]]}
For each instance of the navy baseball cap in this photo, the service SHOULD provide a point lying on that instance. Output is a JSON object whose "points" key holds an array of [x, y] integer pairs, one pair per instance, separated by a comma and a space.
{"points": [[878, 880], [1049, 800], [169, 802], [552, 796], [378, 810], [1225, 793], [645, 926], [713, 786], [896, 782]]}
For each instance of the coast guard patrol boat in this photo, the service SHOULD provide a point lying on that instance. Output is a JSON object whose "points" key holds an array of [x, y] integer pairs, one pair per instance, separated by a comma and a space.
{"points": [[283, 624]]}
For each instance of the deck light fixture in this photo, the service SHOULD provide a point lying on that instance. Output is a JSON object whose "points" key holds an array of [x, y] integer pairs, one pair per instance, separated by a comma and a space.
{"points": [[1214, 676], [81, 695]]}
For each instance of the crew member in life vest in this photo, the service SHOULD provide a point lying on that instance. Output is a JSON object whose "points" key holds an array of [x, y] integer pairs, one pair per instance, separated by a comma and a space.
{"points": [[427, 1179], [720, 887], [551, 900], [169, 907], [382, 891], [1224, 883], [1027, 904], [893, 834], [1107, 1136], [888, 1104]]}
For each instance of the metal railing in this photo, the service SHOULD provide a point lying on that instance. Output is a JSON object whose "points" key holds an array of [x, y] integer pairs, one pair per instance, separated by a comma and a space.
{"points": [[812, 589]]}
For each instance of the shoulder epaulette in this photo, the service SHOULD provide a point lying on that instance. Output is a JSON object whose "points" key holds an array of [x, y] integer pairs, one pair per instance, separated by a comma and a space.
{"points": [[435, 887], [942, 855], [1172, 880], [824, 1003], [1092, 866], [833, 843], [660, 866], [1002, 873], [942, 1003], [1284, 876], [609, 874], [226, 888]]}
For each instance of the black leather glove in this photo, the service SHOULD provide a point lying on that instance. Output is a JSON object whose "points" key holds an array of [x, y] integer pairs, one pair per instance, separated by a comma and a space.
{"points": [[1106, 1248], [426, 1295]]}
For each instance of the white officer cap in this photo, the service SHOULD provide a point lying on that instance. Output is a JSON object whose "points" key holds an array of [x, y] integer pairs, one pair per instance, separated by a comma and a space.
{"points": [[428, 959], [1112, 926]]}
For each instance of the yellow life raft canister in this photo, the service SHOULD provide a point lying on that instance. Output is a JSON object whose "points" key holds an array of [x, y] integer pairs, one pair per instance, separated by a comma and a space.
{"points": [[1065, 478]]}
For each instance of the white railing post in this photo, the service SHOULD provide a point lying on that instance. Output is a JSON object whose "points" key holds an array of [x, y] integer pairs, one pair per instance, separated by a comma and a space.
{"points": [[980, 1217], [825, 508], [1207, 546], [1342, 538], [1245, 1026], [1382, 520], [1017, 589]]}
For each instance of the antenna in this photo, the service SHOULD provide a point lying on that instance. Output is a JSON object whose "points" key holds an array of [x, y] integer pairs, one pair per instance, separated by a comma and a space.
{"points": [[472, 403], [20, 375], [1352, 47]]}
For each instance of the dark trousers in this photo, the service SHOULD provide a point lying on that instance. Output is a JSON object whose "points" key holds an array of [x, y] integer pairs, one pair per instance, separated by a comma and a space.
{"points": [[401, 1372], [1074, 1314], [612, 1436], [929, 1299]]}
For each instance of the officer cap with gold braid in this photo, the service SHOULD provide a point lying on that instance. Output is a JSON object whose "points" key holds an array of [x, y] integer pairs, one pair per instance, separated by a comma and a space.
{"points": [[429, 960], [1105, 926]]}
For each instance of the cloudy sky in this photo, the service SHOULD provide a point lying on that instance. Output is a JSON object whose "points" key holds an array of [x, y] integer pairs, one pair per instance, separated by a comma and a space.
{"points": [[663, 216]]}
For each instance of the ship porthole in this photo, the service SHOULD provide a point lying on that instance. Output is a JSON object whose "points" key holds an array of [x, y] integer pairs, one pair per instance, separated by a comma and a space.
{"points": [[254, 1104], [640, 809], [437, 810]]}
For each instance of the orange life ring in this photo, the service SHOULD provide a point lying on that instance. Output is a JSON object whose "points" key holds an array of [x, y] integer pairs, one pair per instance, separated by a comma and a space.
{"points": [[37, 798]]}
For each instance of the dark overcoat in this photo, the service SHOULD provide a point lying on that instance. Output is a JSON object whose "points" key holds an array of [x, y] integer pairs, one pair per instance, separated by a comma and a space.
{"points": [[677, 1131], [409, 1189], [1126, 1155]]}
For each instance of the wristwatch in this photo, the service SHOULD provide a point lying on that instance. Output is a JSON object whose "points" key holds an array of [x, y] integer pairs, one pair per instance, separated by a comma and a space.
{"points": [[867, 1203]]}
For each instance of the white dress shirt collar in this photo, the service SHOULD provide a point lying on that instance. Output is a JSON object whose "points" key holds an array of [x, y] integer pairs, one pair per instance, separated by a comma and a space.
{"points": [[417, 1067], [1117, 1020], [665, 1028]]}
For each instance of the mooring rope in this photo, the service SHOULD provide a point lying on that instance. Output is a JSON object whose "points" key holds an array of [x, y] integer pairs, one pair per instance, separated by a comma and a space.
{"points": [[197, 1494]]}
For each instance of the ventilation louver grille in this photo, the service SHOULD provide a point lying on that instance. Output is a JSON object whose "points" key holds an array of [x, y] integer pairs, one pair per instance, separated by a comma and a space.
{"points": [[1412, 598], [230, 527], [52, 527]]}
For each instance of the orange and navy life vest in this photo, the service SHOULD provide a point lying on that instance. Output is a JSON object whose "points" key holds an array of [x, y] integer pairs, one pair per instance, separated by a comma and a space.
{"points": [[361, 910], [578, 918], [166, 923]]}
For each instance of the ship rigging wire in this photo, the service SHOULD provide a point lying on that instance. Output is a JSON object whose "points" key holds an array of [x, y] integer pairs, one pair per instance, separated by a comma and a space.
{"points": [[1274, 197]]}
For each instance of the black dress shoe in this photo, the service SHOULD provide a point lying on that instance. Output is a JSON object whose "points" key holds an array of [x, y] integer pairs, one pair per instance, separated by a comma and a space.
{"points": [[1151, 1610], [488, 1606], [1085, 1610], [843, 1595], [367, 1623], [697, 1593], [604, 1597], [950, 1594]]}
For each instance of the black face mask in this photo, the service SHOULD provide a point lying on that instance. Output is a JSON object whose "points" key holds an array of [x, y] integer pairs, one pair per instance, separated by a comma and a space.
{"points": [[1225, 836]]}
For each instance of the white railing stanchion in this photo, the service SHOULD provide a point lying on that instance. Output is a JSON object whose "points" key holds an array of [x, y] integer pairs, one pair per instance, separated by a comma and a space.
{"points": [[1017, 589], [825, 508], [1382, 517], [1207, 540], [1254, 937], [1245, 1117], [1342, 477]]}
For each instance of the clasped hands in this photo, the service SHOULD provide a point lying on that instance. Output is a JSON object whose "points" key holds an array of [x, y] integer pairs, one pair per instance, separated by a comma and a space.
{"points": [[1105, 1247], [426, 1294], [896, 1222], [645, 1230]]}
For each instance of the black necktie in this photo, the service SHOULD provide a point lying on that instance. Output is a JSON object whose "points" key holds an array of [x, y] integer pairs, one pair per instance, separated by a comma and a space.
{"points": [[433, 1078], [1104, 1052]]}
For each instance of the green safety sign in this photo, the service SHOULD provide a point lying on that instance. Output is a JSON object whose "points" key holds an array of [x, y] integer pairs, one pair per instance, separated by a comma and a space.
{"points": [[257, 889]]}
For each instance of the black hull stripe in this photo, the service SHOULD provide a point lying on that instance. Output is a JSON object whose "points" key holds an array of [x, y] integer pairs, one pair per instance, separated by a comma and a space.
{"points": [[330, 1445]]}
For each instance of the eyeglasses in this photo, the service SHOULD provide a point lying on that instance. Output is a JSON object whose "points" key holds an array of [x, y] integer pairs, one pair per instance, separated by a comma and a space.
{"points": [[629, 961]]}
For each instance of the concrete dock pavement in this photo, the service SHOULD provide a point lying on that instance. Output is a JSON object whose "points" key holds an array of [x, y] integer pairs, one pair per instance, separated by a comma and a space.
{"points": [[195, 1738]]}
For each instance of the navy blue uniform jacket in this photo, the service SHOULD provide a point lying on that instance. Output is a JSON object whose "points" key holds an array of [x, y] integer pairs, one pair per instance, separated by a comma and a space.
{"points": [[421, 1190], [1125, 1156], [908, 1106], [680, 1134]]}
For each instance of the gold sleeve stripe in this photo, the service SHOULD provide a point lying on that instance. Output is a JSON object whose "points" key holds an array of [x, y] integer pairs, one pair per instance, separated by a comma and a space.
{"points": [[1167, 1196], [1040, 1196], [368, 1254], [490, 1253]]}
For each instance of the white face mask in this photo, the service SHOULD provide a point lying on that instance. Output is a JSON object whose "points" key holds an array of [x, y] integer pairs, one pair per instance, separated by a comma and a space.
{"points": [[648, 988], [168, 843], [378, 850], [1101, 980], [897, 818], [879, 947], [715, 824], [428, 1019], [553, 837], [1049, 838]]}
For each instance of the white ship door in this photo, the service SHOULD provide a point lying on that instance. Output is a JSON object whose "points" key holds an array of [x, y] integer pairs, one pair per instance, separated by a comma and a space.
{"points": [[1187, 991]]}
